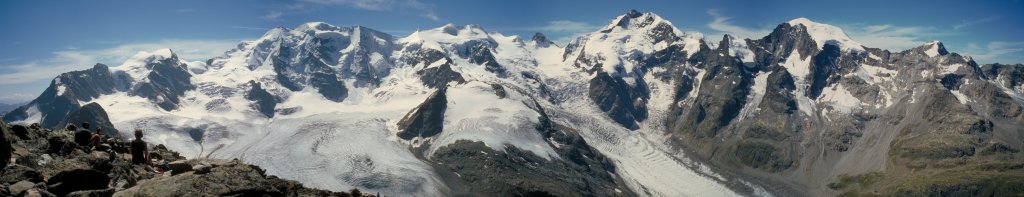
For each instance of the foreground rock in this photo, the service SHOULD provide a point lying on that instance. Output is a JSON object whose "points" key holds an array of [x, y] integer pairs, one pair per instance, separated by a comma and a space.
{"points": [[48, 163]]}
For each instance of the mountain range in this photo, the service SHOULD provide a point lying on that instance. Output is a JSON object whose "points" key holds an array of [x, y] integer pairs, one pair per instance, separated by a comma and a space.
{"points": [[637, 108]]}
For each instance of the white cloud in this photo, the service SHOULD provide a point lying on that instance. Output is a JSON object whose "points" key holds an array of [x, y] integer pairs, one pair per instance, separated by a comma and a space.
{"points": [[721, 24], [362, 4], [571, 29], [250, 28], [69, 60], [884, 36], [567, 26], [13, 98], [897, 38], [272, 15], [967, 23], [996, 51], [425, 10], [558, 31]]}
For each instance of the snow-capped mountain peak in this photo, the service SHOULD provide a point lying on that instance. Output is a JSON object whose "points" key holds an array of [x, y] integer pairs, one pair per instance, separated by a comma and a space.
{"points": [[934, 48], [827, 34], [737, 48], [635, 20], [631, 33], [136, 66], [445, 35], [317, 26], [541, 40]]}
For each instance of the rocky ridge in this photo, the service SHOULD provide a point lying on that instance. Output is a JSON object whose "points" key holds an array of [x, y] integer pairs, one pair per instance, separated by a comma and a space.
{"points": [[49, 163]]}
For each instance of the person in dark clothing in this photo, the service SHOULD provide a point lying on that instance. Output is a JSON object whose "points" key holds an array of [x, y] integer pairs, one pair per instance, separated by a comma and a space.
{"points": [[140, 153], [83, 135]]}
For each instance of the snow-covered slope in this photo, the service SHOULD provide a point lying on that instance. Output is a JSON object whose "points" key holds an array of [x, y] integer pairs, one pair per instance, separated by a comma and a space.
{"points": [[827, 34]]}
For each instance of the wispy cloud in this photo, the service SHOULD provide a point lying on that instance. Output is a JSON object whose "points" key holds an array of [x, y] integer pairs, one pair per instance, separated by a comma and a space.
{"points": [[249, 28], [722, 24], [968, 23], [425, 10], [13, 98], [996, 51], [892, 37], [273, 15], [559, 31], [884, 36], [69, 60], [568, 26]]}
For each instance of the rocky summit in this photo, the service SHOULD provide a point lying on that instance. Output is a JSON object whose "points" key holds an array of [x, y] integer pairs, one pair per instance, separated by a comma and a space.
{"points": [[637, 107], [50, 163]]}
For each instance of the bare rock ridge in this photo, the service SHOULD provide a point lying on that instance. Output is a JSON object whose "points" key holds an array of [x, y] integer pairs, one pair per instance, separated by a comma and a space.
{"points": [[48, 163]]}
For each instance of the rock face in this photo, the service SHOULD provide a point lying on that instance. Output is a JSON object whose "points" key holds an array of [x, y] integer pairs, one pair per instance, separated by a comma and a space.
{"points": [[541, 40], [167, 80], [227, 178], [61, 98], [427, 119], [802, 109], [264, 101], [94, 114], [5, 145], [626, 105], [77, 171], [435, 76]]}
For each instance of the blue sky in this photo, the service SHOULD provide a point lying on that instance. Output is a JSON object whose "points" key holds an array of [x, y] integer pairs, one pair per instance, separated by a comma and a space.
{"points": [[42, 39]]}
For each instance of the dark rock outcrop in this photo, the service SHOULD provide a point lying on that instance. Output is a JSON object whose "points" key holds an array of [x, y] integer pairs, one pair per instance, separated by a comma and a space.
{"points": [[482, 55], [436, 76], [65, 91], [5, 145], [427, 119], [541, 40], [93, 114], [625, 104], [168, 79], [77, 180], [440, 76], [328, 85], [724, 92], [264, 101]]}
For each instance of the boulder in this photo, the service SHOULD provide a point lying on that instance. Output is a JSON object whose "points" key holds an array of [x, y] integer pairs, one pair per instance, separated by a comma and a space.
{"points": [[20, 131], [60, 145], [100, 160], [225, 178], [16, 173], [202, 168], [92, 193], [77, 180], [18, 189], [5, 146], [37, 192], [178, 167]]}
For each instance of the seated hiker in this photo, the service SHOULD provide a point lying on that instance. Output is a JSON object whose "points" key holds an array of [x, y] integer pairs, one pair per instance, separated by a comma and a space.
{"points": [[96, 137], [82, 136], [140, 153]]}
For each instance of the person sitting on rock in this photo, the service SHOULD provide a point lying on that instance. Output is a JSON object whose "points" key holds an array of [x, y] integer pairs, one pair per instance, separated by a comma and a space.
{"points": [[140, 153], [82, 136], [96, 137]]}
